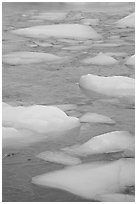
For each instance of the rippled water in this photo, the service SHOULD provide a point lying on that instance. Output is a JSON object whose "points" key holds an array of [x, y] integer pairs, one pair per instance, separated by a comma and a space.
{"points": [[57, 84]]}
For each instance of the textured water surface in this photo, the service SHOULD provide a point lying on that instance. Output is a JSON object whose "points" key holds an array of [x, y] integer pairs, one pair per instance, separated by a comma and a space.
{"points": [[51, 84]]}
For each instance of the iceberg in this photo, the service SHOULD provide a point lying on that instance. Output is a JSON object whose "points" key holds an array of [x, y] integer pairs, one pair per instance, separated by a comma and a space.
{"points": [[92, 179], [106, 143], [97, 87]]}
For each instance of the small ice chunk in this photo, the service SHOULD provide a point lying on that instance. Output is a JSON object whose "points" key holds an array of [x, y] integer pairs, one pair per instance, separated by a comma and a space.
{"points": [[130, 60], [128, 21], [96, 118], [59, 157], [101, 59]]}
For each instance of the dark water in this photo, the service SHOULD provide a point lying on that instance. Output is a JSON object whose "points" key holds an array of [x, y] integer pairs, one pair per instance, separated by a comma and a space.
{"points": [[56, 84]]}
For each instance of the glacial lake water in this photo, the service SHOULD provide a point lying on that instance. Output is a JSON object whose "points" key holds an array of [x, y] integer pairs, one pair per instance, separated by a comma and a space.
{"points": [[51, 84]]}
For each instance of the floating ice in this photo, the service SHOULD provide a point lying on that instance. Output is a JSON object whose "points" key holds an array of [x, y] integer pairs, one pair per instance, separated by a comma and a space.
{"points": [[101, 59], [41, 119], [131, 60], [114, 86], [59, 157], [16, 58], [109, 142], [90, 180], [89, 21], [51, 16], [128, 21], [96, 118], [74, 31]]}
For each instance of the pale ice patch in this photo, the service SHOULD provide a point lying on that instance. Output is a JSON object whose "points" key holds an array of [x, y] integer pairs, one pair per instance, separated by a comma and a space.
{"points": [[96, 118], [120, 87], [100, 59], [109, 142], [130, 60], [16, 58], [128, 21], [90, 180], [59, 157], [73, 31]]}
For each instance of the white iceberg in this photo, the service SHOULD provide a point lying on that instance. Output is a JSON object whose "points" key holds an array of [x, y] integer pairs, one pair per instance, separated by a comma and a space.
{"points": [[41, 119], [97, 87], [73, 31], [16, 58], [96, 118], [106, 143], [128, 21], [90, 180], [130, 60], [100, 59], [36, 123], [59, 157]]}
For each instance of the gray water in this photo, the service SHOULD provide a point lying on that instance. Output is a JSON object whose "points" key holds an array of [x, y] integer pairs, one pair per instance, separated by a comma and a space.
{"points": [[51, 84]]}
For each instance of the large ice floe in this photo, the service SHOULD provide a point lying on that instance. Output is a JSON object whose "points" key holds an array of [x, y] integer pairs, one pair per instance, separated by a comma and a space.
{"points": [[93, 179], [100, 59], [17, 58], [128, 21], [74, 31], [97, 87], [130, 60], [109, 142], [36, 123], [59, 157]]}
